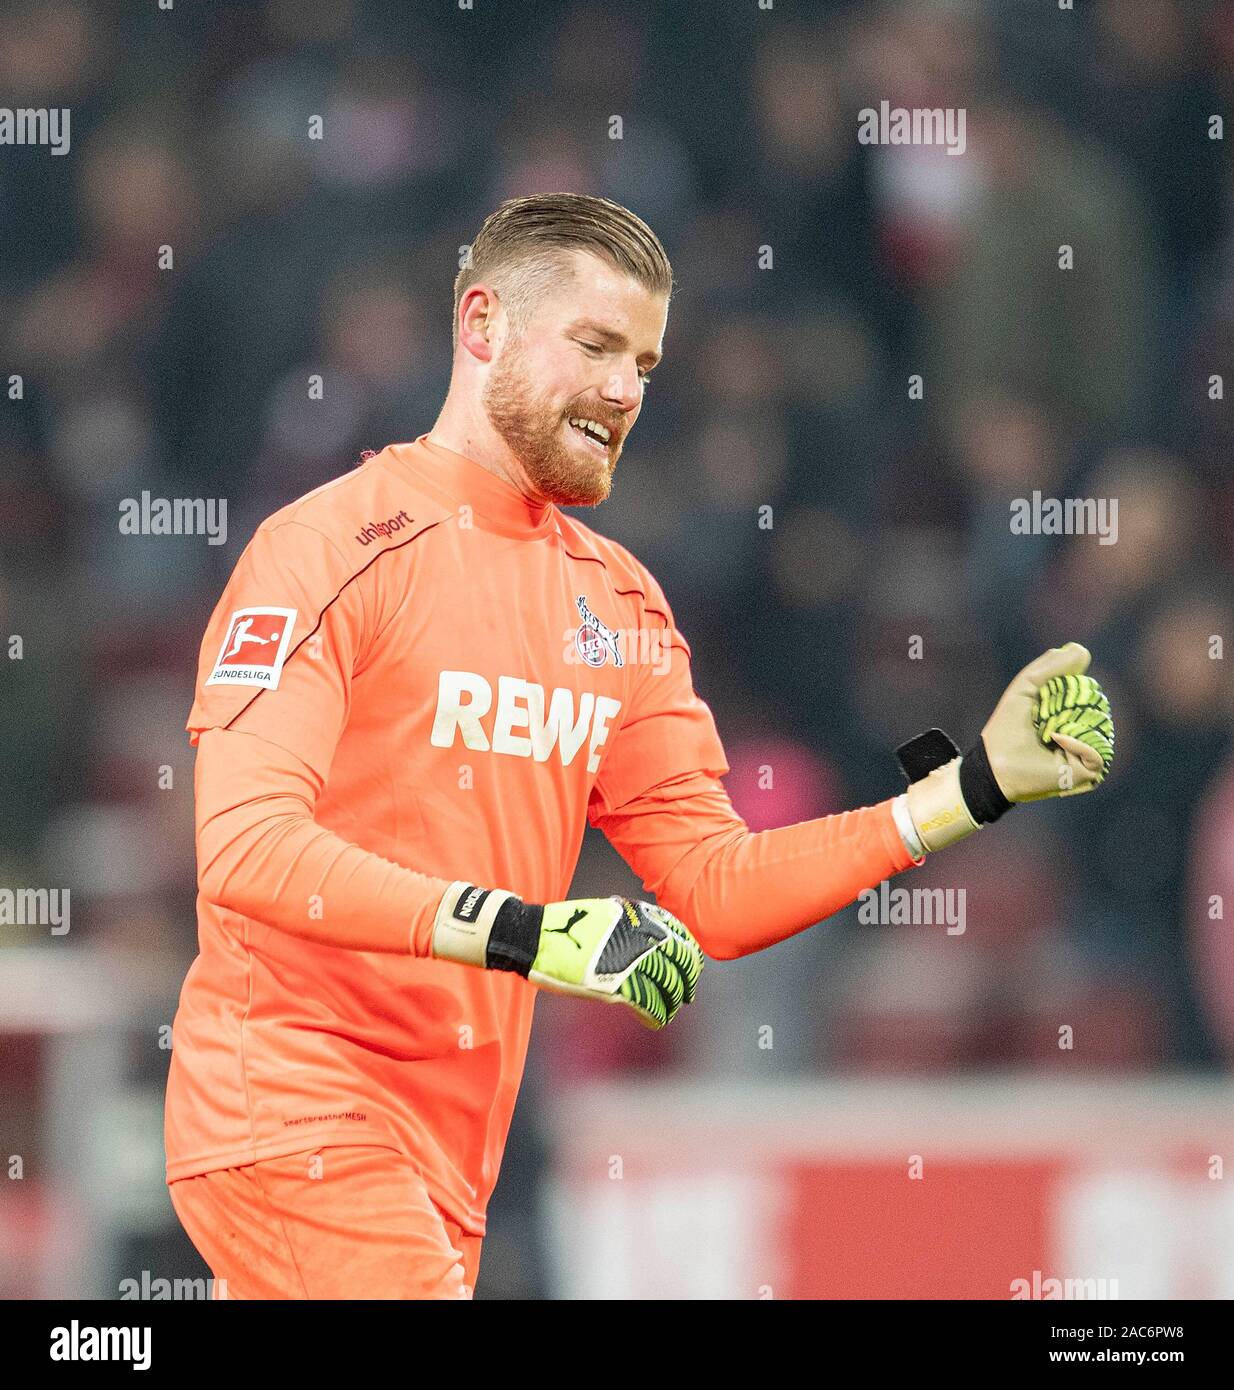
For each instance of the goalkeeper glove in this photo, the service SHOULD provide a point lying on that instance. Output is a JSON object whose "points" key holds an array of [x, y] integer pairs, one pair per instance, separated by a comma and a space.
{"points": [[612, 949], [949, 797]]}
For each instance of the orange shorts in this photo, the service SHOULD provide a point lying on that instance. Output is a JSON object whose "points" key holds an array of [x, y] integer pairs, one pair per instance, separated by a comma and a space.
{"points": [[327, 1223]]}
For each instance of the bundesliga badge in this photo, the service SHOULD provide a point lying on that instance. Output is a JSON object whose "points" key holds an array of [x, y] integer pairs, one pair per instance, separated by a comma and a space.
{"points": [[594, 641], [254, 648]]}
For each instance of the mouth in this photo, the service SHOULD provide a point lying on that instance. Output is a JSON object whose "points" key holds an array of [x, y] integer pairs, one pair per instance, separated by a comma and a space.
{"points": [[594, 436]]}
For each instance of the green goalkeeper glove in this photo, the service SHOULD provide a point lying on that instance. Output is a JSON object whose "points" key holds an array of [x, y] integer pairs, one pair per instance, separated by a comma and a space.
{"points": [[1051, 734], [612, 949]]}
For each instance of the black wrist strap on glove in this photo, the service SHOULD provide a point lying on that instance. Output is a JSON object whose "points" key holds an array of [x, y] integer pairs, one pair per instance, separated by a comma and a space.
{"points": [[982, 794], [921, 755], [934, 749], [514, 940]]}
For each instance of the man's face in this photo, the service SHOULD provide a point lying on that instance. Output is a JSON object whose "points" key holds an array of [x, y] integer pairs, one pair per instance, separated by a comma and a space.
{"points": [[583, 355]]}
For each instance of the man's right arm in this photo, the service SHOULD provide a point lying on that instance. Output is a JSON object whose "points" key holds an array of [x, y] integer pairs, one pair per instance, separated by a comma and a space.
{"points": [[260, 853]]}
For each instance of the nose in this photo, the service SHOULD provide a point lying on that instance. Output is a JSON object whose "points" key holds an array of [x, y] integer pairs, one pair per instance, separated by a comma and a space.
{"points": [[623, 388]]}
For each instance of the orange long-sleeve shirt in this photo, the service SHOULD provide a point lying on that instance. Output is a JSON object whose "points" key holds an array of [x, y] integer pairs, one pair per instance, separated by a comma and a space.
{"points": [[415, 675]]}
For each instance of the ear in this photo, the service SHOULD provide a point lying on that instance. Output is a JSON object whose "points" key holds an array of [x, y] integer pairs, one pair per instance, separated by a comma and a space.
{"points": [[477, 315]]}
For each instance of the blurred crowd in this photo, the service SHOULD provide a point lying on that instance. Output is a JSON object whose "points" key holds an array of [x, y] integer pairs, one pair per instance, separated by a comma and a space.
{"points": [[786, 385]]}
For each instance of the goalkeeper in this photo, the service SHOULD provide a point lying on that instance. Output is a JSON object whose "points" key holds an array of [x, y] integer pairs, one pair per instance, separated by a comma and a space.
{"points": [[420, 684]]}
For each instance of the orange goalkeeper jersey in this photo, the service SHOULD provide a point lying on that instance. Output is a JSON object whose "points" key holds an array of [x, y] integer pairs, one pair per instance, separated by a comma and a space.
{"points": [[417, 675]]}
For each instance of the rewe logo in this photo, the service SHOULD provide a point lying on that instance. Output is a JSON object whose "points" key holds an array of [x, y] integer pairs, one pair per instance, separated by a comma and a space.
{"points": [[465, 705]]}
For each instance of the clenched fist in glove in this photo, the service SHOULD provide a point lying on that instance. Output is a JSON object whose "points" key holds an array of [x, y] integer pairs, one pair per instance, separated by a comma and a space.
{"points": [[1051, 734], [612, 949]]}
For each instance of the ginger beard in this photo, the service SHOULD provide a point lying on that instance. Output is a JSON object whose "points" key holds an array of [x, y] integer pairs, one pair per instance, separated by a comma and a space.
{"points": [[559, 463]]}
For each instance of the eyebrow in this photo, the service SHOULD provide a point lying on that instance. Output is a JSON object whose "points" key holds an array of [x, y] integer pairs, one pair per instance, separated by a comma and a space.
{"points": [[613, 339]]}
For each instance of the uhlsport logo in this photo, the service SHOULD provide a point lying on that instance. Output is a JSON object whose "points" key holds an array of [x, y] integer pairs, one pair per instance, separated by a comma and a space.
{"points": [[595, 641], [254, 648], [379, 530]]}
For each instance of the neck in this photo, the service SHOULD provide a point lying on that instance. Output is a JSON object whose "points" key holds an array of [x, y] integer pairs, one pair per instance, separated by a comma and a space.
{"points": [[464, 428]]}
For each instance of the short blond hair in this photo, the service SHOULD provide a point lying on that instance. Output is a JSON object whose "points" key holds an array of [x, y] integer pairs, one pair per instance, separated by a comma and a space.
{"points": [[520, 247]]}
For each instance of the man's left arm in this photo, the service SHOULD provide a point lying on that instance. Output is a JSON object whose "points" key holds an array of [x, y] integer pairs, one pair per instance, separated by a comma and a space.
{"points": [[740, 890], [660, 802]]}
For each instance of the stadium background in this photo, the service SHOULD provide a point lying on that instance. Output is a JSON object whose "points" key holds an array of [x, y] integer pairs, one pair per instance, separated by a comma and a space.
{"points": [[783, 386]]}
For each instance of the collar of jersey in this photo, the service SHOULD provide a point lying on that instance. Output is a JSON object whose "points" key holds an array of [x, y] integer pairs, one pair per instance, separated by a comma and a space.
{"points": [[455, 479]]}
